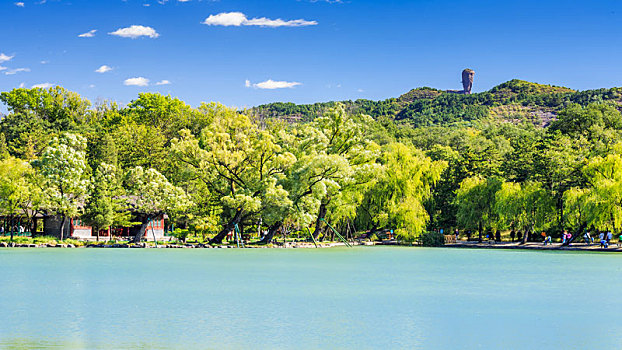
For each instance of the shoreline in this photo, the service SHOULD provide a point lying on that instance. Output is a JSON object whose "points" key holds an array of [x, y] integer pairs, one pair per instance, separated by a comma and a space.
{"points": [[144, 245], [594, 247]]}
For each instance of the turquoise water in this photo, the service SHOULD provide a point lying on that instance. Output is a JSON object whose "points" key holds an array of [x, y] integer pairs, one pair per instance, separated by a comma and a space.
{"points": [[360, 298]]}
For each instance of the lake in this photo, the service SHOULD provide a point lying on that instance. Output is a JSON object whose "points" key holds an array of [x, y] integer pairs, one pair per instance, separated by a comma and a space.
{"points": [[359, 298]]}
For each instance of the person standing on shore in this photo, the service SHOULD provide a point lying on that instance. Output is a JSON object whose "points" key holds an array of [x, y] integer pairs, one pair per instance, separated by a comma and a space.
{"points": [[547, 238], [603, 241], [512, 234], [609, 236], [587, 238]]}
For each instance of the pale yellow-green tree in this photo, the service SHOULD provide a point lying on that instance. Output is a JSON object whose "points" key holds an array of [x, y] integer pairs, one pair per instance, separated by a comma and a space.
{"points": [[475, 203], [240, 164], [526, 205], [604, 194], [19, 194], [403, 182]]}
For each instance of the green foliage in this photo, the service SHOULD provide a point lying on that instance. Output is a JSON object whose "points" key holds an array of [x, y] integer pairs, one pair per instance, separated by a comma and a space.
{"points": [[426, 160], [63, 168], [526, 206], [476, 200], [18, 190], [432, 239], [105, 207], [395, 200]]}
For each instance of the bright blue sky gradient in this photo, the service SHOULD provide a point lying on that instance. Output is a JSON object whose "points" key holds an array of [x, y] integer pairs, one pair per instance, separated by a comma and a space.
{"points": [[358, 49]]}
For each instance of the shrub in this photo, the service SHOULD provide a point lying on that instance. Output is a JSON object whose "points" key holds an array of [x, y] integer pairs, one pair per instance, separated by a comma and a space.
{"points": [[181, 234], [432, 239]]}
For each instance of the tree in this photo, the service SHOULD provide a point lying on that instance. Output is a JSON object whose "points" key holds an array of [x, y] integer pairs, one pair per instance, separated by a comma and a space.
{"points": [[330, 151], [16, 189], [604, 196], [395, 200], [238, 162], [64, 169], [4, 150], [152, 195], [526, 205], [105, 206], [577, 208], [60, 108], [475, 200]]}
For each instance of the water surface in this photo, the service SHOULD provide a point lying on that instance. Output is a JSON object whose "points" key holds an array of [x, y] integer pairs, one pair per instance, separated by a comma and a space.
{"points": [[360, 298]]}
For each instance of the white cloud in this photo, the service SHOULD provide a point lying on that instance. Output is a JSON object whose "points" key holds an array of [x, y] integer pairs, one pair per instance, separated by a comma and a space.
{"points": [[239, 19], [360, 90], [5, 58], [16, 70], [103, 69], [44, 62], [271, 84], [135, 31], [42, 86], [163, 82], [139, 81], [92, 86], [89, 34], [19, 4], [3, 68], [183, 0], [22, 85]]}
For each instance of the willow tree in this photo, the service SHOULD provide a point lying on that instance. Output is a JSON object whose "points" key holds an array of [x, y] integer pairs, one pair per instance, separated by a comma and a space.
{"points": [[577, 208], [404, 181], [527, 206], [238, 162], [330, 151], [63, 167], [475, 201], [604, 196], [16, 189]]}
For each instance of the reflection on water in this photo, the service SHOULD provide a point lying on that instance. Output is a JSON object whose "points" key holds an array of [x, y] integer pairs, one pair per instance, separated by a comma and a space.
{"points": [[361, 298]]}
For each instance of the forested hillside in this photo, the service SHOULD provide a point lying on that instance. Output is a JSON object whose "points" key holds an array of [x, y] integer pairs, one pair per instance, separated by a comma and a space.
{"points": [[515, 100], [522, 156]]}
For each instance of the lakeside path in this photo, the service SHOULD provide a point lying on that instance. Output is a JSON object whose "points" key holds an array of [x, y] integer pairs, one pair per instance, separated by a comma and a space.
{"points": [[535, 246]]}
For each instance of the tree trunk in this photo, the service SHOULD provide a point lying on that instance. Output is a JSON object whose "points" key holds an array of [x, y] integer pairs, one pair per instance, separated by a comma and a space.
{"points": [[577, 234], [318, 223], [33, 227], [11, 226], [62, 228], [228, 227], [480, 231], [525, 236], [271, 232], [96, 233], [143, 227]]}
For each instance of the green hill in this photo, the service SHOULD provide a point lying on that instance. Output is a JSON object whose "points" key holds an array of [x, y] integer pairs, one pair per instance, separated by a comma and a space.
{"points": [[514, 100]]}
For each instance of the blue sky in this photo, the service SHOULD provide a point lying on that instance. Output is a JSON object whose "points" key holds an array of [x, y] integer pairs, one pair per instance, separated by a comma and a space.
{"points": [[304, 51]]}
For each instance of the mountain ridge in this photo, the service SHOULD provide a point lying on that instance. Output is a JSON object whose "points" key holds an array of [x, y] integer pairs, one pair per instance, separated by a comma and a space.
{"points": [[514, 101]]}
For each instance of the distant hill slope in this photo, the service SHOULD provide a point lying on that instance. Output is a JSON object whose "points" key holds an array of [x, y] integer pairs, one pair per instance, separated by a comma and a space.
{"points": [[514, 100]]}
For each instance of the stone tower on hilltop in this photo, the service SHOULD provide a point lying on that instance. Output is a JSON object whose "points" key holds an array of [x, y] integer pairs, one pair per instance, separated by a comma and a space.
{"points": [[467, 80]]}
